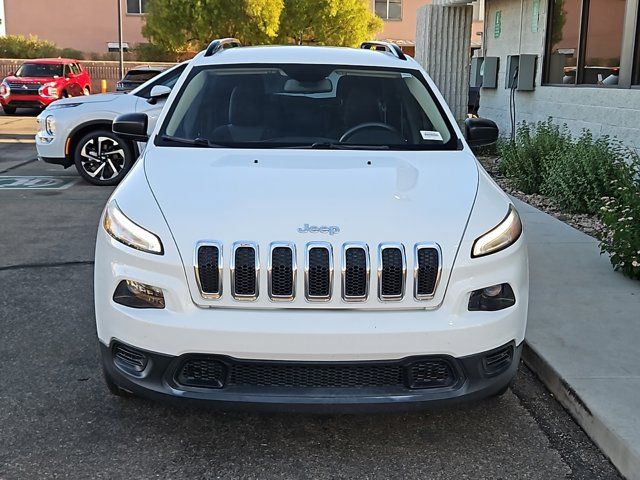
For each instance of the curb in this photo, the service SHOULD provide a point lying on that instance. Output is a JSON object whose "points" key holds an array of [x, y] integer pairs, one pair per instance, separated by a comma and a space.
{"points": [[615, 448]]}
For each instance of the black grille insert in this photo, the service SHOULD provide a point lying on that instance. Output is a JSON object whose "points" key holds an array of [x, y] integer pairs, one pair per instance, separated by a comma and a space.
{"points": [[203, 373], [245, 278], [498, 361], [319, 273], [356, 273], [392, 273], [209, 269], [282, 272], [129, 359], [432, 374], [428, 267]]}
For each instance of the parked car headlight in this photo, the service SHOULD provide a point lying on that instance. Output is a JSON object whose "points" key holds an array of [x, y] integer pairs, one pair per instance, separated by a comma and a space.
{"points": [[500, 237], [50, 125], [129, 233], [5, 91]]}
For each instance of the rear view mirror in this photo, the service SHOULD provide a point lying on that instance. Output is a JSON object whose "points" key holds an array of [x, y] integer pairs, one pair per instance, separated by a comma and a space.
{"points": [[132, 126], [158, 92], [481, 132]]}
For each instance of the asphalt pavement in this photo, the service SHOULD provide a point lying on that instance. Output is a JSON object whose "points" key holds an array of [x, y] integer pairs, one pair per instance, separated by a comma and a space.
{"points": [[58, 420]]}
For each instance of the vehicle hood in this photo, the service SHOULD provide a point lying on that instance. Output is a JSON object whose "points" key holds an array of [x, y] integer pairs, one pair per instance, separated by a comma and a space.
{"points": [[231, 195], [85, 99], [41, 80]]}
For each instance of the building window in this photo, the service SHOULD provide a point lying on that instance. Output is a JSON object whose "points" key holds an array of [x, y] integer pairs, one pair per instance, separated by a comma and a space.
{"points": [[585, 41], [136, 7], [389, 9]]}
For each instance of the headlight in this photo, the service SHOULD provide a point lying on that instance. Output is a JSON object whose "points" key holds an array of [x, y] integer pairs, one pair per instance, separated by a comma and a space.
{"points": [[50, 125], [500, 237], [131, 234], [5, 91], [56, 105]]}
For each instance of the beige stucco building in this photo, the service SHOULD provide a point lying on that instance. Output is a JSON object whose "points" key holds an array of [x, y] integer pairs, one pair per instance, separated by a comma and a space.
{"points": [[73, 23]]}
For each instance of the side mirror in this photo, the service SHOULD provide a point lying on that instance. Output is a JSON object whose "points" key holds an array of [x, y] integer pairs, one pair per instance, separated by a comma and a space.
{"points": [[11, 74], [131, 126], [481, 132], [158, 92]]}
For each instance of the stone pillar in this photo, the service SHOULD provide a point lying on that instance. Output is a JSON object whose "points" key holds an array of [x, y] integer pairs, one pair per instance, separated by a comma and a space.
{"points": [[443, 48]]}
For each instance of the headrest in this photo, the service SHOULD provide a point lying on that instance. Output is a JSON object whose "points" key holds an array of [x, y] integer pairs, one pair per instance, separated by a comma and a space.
{"points": [[361, 106], [245, 107]]}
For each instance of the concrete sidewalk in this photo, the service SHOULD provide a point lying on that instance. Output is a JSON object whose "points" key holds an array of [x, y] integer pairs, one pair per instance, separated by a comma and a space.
{"points": [[583, 336]]}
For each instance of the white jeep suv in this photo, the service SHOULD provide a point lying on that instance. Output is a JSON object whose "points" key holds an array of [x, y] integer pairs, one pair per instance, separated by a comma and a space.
{"points": [[308, 229], [77, 131]]}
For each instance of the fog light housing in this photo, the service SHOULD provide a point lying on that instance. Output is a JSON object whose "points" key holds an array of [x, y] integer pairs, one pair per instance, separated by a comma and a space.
{"points": [[492, 298], [138, 295]]}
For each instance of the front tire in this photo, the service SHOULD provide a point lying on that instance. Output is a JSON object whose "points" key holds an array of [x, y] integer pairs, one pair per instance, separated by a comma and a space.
{"points": [[87, 91], [9, 110], [102, 158]]}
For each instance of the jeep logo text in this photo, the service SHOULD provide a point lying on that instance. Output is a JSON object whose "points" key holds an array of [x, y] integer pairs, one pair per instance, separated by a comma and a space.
{"points": [[331, 230]]}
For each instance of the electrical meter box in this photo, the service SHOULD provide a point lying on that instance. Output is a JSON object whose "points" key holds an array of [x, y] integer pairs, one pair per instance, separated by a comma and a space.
{"points": [[521, 72], [489, 72]]}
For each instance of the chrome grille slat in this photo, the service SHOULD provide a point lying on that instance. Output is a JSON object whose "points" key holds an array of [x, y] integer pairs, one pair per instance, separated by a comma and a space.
{"points": [[392, 270], [281, 271], [245, 271], [427, 270], [318, 272], [355, 272], [208, 269]]}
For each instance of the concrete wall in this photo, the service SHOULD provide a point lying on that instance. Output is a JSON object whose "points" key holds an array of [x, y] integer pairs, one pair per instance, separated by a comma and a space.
{"points": [[86, 25], [610, 111]]}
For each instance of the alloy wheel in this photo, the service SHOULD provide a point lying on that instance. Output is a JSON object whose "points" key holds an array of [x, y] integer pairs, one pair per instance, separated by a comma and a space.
{"points": [[102, 158]]}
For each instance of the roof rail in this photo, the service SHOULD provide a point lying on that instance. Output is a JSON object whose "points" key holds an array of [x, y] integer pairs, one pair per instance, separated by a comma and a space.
{"points": [[388, 47], [221, 44]]}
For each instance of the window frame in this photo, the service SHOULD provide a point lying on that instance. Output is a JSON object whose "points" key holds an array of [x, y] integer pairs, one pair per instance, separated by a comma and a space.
{"points": [[386, 17], [140, 9], [629, 61]]}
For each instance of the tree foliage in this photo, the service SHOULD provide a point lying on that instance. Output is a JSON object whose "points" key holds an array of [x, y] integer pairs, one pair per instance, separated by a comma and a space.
{"points": [[189, 25], [327, 22]]}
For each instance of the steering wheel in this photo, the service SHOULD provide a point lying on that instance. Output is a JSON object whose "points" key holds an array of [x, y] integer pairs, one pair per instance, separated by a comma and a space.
{"points": [[349, 134]]}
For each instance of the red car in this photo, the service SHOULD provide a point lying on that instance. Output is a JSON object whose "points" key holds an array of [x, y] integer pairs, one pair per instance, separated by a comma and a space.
{"points": [[39, 82]]}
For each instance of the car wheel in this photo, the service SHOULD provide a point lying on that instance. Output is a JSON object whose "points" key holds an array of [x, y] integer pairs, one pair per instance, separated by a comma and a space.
{"points": [[101, 158], [86, 91], [114, 388], [9, 110]]}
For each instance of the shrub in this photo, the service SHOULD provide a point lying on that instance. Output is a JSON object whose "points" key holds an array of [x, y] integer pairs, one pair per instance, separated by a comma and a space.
{"points": [[71, 53], [620, 217], [18, 46], [524, 159], [150, 52], [579, 176]]}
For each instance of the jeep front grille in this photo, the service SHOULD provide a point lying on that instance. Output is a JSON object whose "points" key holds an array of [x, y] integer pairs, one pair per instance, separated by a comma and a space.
{"points": [[209, 269], [355, 271], [282, 272], [319, 272], [427, 270], [245, 271], [392, 271]]}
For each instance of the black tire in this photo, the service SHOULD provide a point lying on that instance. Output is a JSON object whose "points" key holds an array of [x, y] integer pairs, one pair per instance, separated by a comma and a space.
{"points": [[114, 388], [86, 91], [9, 110], [102, 158]]}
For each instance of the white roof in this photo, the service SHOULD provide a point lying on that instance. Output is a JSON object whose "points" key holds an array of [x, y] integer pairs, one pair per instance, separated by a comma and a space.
{"points": [[304, 54]]}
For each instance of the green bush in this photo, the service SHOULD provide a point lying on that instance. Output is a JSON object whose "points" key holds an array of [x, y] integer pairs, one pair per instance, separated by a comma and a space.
{"points": [[525, 158], [150, 52], [18, 46], [578, 176], [620, 217], [71, 53]]}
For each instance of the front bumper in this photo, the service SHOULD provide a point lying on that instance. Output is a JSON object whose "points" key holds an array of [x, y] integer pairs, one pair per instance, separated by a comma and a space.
{"points": [[27, 101], [475, 378]]}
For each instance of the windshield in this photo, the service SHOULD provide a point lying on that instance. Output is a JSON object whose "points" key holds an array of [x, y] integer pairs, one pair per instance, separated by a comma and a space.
{"points": [[311, 106], [140, 75], [40, 70]]}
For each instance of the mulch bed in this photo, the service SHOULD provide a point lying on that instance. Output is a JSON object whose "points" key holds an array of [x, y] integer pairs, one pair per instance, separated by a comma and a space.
{"points": [[588, 224]]}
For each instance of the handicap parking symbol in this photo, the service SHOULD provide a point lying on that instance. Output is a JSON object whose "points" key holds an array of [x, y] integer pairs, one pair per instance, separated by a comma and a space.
{"points": [[35, 182]]}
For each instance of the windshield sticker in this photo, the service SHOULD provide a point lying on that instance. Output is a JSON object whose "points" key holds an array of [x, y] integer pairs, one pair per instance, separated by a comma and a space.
{"points": [[431, 135]]}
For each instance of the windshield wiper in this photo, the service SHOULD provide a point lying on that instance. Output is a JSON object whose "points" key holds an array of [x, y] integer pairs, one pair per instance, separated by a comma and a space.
{"points": [[346, 146], [197, 142]]}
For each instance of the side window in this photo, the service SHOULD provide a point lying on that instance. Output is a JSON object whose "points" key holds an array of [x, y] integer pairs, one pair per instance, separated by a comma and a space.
{"points": [[168, 80], [75, 68], [67, 69]]}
